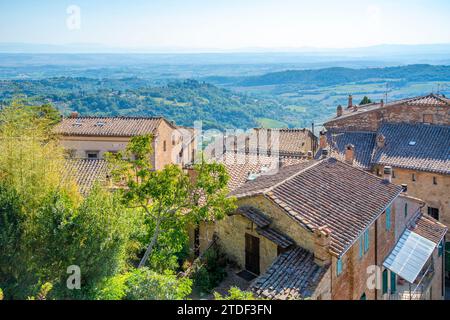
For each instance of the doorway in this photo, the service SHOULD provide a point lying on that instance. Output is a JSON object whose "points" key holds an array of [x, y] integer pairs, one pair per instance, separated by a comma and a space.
{"points": [[252, 253]]}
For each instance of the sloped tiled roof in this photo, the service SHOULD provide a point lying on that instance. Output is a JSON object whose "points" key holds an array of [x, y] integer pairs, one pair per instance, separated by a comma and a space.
{"points": [[293, 275], [86, 172], [362, 141], [429, 228], [269, 179], [327, 193], [108, 126], [240, 165], [257, 217], [254, 215], [427, 100], [415, 146], [285, 142]]}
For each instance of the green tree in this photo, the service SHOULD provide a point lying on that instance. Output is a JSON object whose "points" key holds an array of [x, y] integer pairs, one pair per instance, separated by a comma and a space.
{"points": [[235, 294], [169, 197], [145, 284], [365, 100], [45, 225]]}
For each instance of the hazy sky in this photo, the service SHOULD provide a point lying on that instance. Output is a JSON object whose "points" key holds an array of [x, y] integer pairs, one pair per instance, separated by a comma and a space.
{"points": [[226, 24]]}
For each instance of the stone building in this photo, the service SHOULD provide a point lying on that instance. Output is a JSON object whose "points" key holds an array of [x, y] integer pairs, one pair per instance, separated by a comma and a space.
{"points": [[411, 135], [282, 143], [432, 109], [92, 137], [312, 230]]}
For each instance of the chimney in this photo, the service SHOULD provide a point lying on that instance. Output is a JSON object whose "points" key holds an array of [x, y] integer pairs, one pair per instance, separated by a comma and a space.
{"points": [[382, 103], [309, 155], [339, 111], [381, 141], [322, 240], [404, 188], [74, 114], [350, 101], [349, 153], [388, 174], [322, 140]]}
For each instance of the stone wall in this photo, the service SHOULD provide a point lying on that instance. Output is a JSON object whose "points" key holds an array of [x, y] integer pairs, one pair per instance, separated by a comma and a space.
{"points": [[231, 234], [434, 195], [371, 120]]}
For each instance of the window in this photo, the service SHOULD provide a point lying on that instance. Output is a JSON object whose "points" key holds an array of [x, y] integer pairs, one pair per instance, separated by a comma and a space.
{"points": [[393, 174], [406, 210], [413, 177], [164, 146], [393, 283], [388, 218], [434, 180], [339, 266], [92, 154], [433, 212], [366, 240], [385, 281], [427, 118], [361, 247]]}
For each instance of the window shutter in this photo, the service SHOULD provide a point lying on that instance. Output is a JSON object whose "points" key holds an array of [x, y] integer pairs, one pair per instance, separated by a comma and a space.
{"points": [[339, 266], [388, 218], [366, 240], [361, 247], [393, 283], [385, 281]]}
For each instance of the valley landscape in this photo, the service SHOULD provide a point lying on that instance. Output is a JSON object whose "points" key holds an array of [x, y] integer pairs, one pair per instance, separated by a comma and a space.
{"points": [[246, 90]]}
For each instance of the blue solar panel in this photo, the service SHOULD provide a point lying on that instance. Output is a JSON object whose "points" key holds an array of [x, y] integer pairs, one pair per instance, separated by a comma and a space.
{"points": [[409, 256]]}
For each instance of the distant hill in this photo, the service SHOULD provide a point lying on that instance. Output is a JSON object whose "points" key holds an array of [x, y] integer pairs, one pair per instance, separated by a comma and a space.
{"points": [[335, 76], [183, 101]]}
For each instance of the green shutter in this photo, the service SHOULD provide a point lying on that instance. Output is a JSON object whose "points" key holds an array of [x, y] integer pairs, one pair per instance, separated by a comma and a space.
{"points": [[393, 283], [366, 240], [385, 281], [339, 267], [441, 248], [388, 218], [361, 247]]}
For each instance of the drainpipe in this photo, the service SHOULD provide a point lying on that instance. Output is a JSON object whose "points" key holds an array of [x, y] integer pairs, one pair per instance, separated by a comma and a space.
{"points": [[376, 256]]}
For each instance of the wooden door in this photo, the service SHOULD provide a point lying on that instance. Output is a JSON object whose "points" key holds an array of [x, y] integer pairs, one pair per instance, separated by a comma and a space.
{"points": [[252, 254]]}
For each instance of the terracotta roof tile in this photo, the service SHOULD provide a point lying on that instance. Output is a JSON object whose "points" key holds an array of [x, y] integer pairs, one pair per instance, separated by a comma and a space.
{"points": [[415, 146], [254, 215], [327, 192], [240, 165], [86, 172], [429, 228], [293, 275], [108, 126], [363, 142], [284, 142], [276, 237]]}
